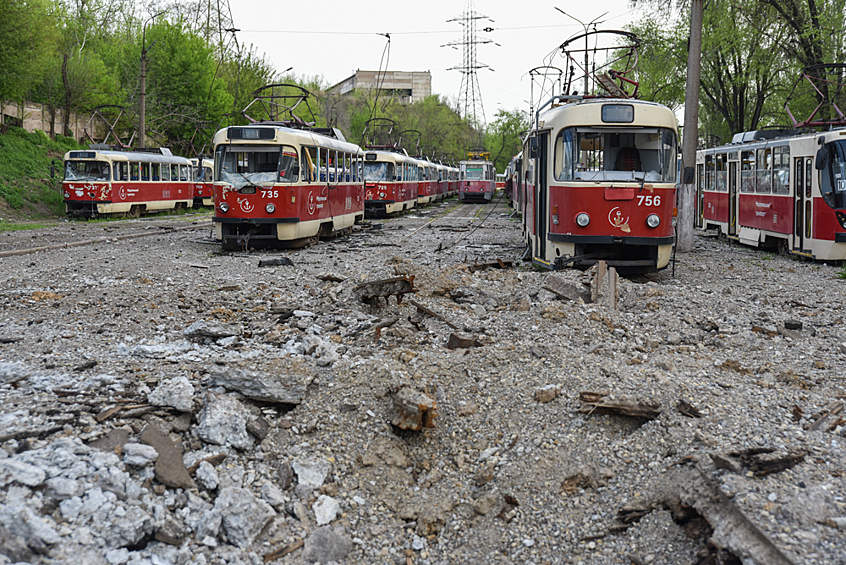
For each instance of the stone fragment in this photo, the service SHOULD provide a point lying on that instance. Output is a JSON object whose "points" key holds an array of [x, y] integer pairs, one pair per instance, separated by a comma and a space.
{"points": [[457, 341], [112, 440], [325, 509], [413, 410], [223, 421], [273, 495], [258, 427], [547, 394], [36, 531], [172, 531], [243, 514], [213, 330], [284, 475], [206, 476], [174, 393], [277, 381], [567, 289], [325, 544], [139, 455], [61, 488], [22, 473], [385, 451], [311, 472], [170, 469], [486, 504], [792, 334]]}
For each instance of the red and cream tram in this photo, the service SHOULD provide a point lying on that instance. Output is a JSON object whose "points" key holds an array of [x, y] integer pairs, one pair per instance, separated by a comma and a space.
{"points": [[780, 189], [202, 171], [279, 186], [477, 177], [427, 183], [600, 183], [390, 178], [103, 182]]}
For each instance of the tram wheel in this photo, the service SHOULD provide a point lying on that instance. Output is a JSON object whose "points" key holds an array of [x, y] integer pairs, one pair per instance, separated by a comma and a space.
{"points": [[135, 212]]}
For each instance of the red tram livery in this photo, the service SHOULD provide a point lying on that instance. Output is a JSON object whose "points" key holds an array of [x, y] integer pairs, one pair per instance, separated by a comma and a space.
{"points": [[779, 189], [107, 182], [286, 187], [600, 183], [391, 179], [477, 177]]}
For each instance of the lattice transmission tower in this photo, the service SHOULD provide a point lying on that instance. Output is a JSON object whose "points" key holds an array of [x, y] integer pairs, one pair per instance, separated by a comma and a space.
{"points": [[213, 21], [470, 104]]}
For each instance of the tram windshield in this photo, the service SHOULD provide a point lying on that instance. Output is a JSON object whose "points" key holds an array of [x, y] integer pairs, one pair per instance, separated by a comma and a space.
{"points": [[378, 172], [588, 154], [88, 171], [833, 179], [474, 173], [241, 165]]}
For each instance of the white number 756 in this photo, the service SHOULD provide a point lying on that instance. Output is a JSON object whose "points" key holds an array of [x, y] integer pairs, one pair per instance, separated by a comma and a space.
{"points": [[649, 200]]}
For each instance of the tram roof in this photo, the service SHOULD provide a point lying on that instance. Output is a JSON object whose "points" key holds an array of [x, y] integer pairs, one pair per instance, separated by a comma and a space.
{"points": [[283, 134], [588, 112], [94, 154]]}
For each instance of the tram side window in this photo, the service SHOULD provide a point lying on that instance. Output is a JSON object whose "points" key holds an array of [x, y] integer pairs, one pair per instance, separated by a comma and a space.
{"points": [[155, 171], [308, 164], [135, 171], [166, 171], [145, 171], [709, 172], [747, 171], [287, 167], [563, 160], [764, 171], [720, 172], [183, 173], [781, 170], [122, 171]]}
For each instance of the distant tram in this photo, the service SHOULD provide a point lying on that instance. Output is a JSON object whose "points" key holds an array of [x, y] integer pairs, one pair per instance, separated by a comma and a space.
{"points": [[105, 182], [279, 186], [600, 183], [391, 182], [477, 176], [780, 189], [203, 182]]}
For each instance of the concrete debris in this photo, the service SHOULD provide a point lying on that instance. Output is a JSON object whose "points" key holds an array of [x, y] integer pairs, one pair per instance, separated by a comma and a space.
{"points": [[413, 410], [326, 545], [177, 393], [278, 262], [208, 329], [547, 394], [568, 290], [312, 471], [170, 469], [243, 516], [370, 292], [275, 380], [457, 341], [325, 509], [223, 421]]}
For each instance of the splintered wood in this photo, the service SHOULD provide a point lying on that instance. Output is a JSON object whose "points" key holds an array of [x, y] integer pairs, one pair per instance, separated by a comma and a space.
{"points": [[595, 402]]}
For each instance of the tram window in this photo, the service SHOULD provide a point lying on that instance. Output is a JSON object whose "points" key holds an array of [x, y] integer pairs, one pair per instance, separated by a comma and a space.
{"points": [[155, 171], [166, 171], [720, 172], [781, 170], [378, 172], [747, 171], [808, 178], [145, 171], [764, 171], [135, 171], [833, 176], [288, 170], [709, 172], [307, 164], [122, 171]]}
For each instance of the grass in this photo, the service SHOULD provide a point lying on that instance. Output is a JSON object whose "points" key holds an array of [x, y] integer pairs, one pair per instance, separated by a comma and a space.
{"points": [[8, 226], [27, 190], [841, 274]]}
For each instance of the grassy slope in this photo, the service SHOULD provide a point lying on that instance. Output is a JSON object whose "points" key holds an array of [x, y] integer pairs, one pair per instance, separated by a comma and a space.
{"points": [[27, 193]]}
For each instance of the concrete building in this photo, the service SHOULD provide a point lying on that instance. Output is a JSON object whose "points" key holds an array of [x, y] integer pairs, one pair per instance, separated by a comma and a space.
{"points": [[407, 86]]}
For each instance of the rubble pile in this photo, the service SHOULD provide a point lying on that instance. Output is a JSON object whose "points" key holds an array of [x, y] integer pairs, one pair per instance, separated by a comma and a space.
{"points": [[163, 403]]}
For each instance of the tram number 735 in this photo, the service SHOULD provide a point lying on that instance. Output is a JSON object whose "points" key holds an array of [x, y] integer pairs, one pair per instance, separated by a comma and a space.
{"points": [[649, 200], [270, 194]]}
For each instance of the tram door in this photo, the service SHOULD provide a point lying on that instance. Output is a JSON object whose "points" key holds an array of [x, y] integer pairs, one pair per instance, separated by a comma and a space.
{"points": [[542, 197], [802, 216], [732, 189]]}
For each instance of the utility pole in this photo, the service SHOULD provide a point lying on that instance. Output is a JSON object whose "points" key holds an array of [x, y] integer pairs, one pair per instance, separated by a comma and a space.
{"points": [[690, 133], [142, 125]]}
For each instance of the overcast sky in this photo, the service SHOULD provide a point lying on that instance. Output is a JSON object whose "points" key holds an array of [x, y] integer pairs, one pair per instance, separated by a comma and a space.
{"points": [[333, 38]]}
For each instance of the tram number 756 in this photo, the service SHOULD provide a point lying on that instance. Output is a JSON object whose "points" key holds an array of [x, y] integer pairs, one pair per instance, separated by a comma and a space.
{"points": [[649, 200]]}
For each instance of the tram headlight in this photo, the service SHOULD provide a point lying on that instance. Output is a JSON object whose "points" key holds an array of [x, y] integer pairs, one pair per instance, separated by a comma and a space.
{"points": [[270, 208], [582, 219], [224, 207], [653, 220]]}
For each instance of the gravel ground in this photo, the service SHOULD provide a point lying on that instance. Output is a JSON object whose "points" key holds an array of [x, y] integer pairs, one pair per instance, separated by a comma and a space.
{"points": [[163, 402]]}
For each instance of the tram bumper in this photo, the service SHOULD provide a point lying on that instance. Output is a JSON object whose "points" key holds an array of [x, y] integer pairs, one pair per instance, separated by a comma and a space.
{"points": [[81, 209]]}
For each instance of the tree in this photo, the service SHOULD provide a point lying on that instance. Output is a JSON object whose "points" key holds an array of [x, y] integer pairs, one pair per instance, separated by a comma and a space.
{"points": [[27, 41], [504, 136]]}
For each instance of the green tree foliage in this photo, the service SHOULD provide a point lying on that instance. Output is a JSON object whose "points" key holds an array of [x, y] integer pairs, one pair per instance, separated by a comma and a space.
{"points": [[27, 41], [186, 103], [504, 136], [743, 71]]}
